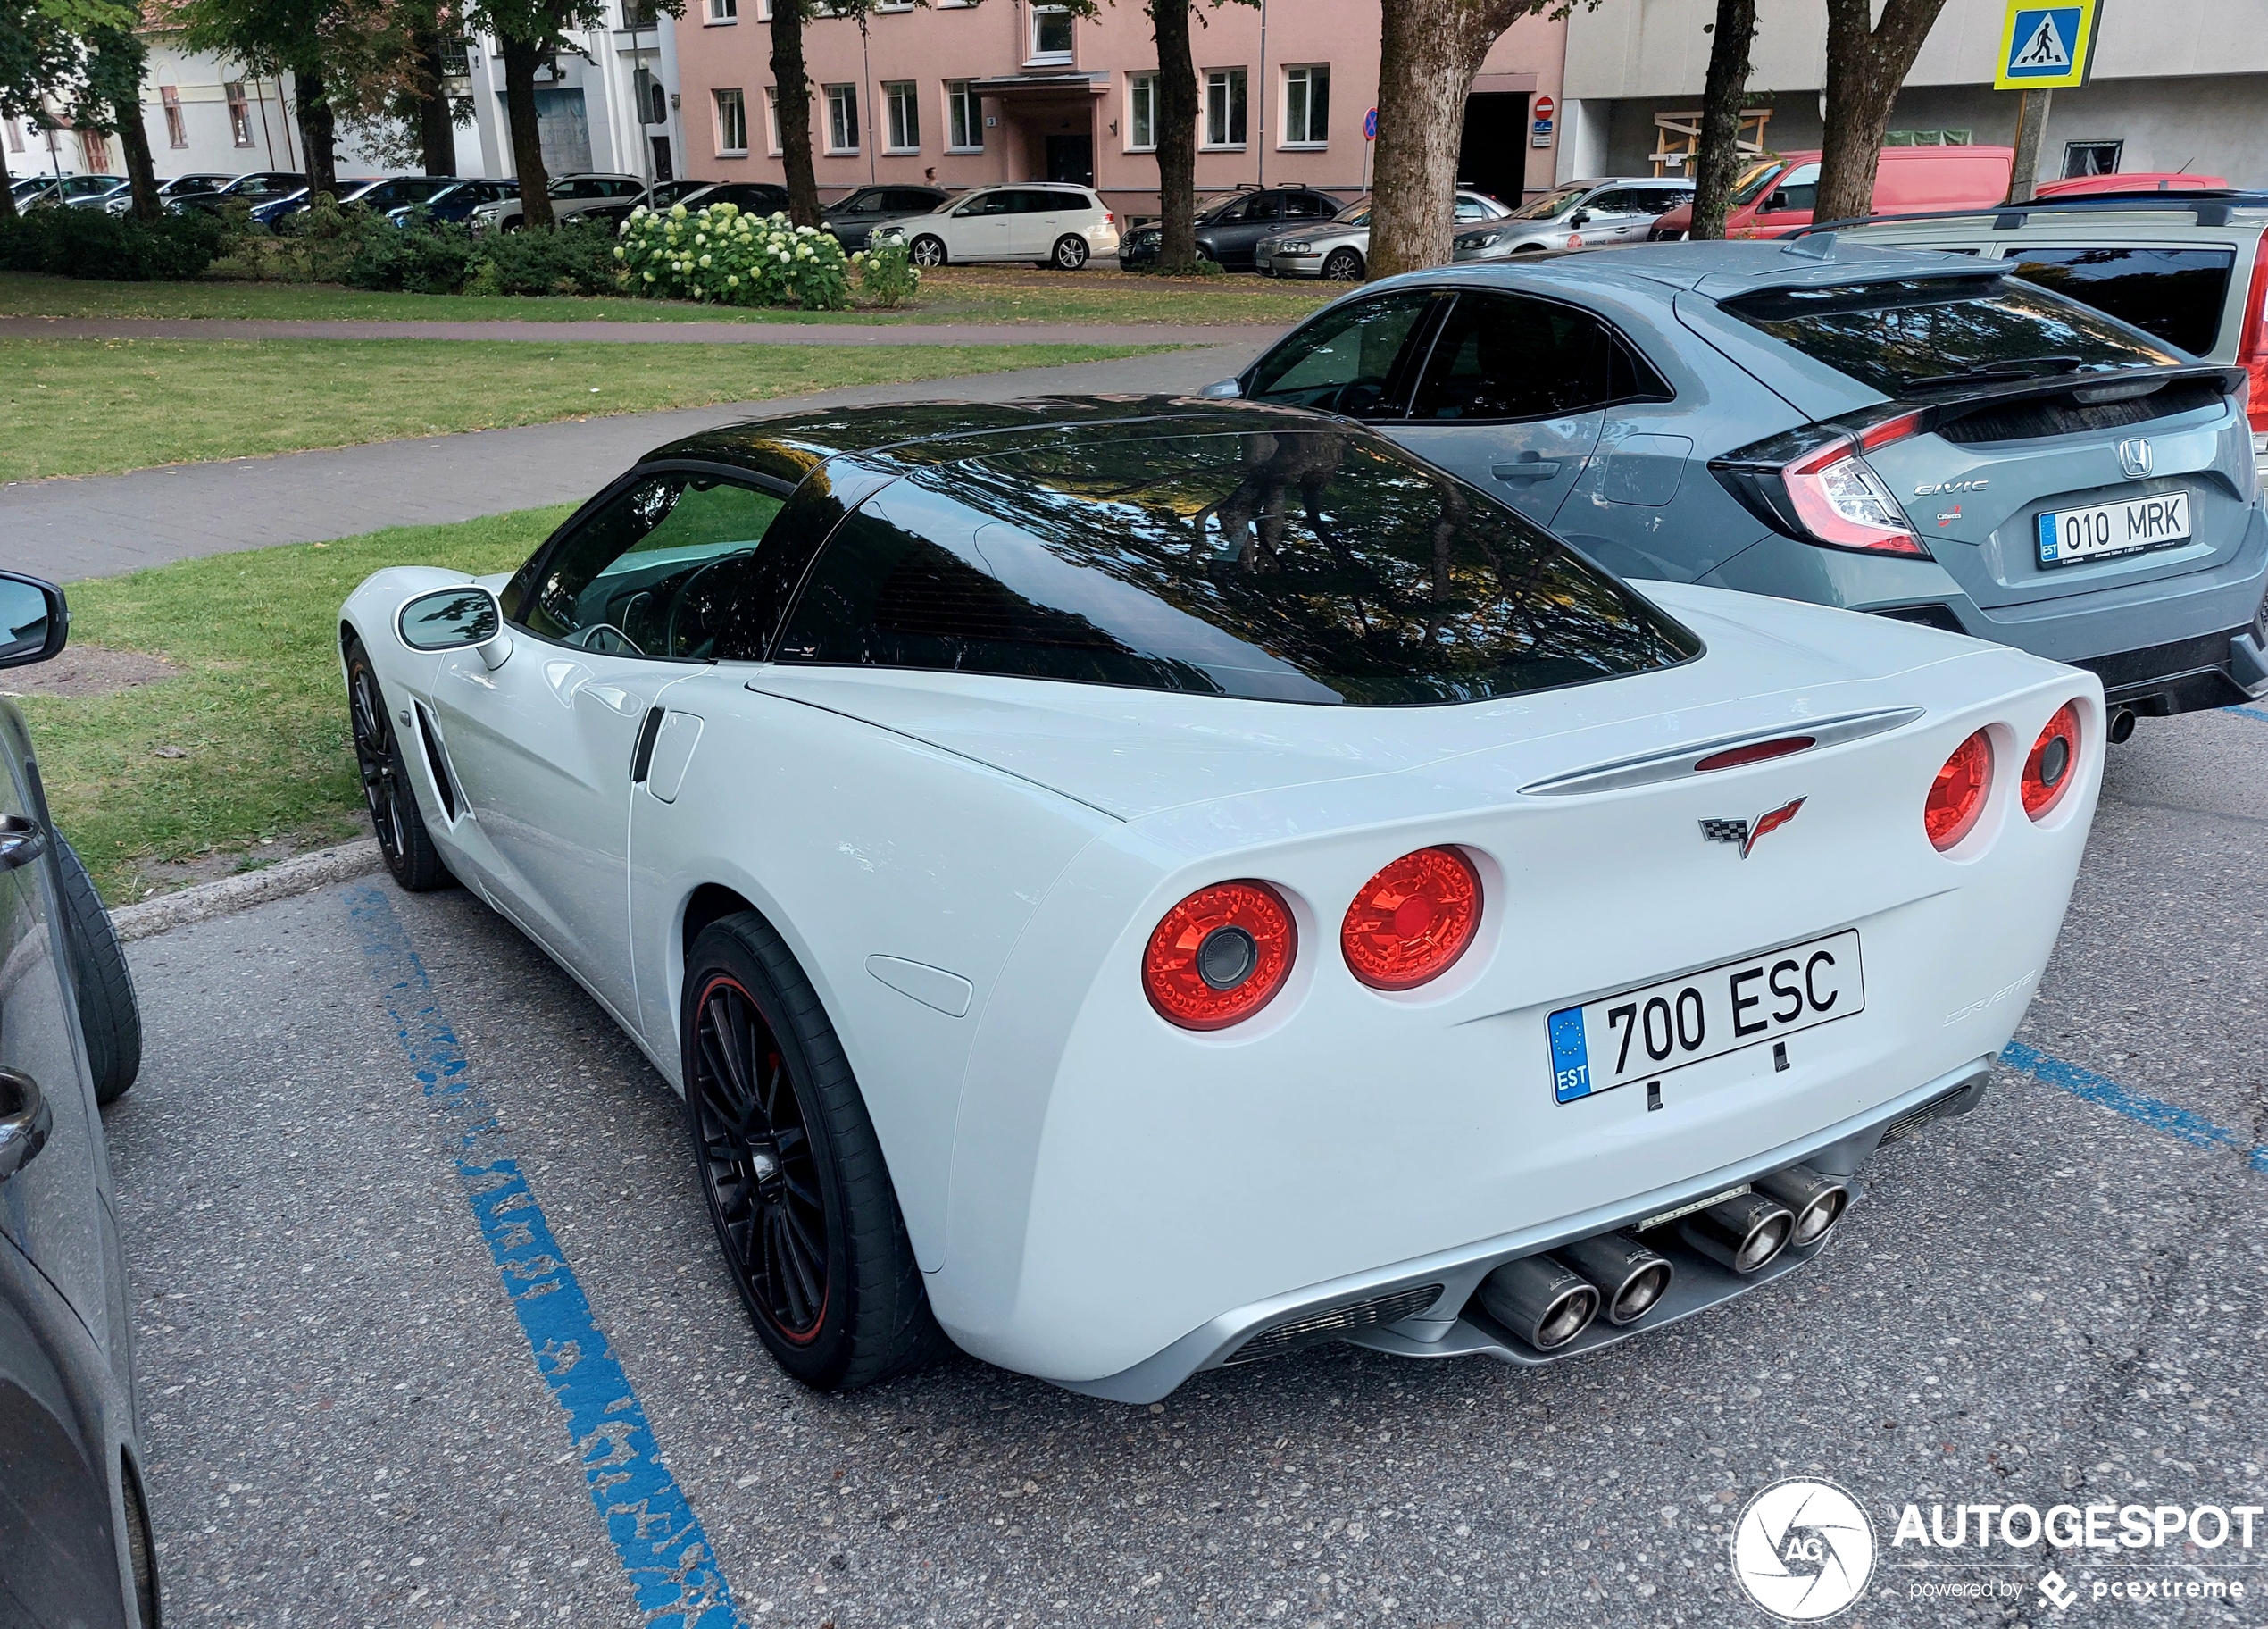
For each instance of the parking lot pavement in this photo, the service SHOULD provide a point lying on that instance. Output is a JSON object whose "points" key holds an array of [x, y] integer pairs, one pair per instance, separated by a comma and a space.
{"points": [[2056, 1300]]}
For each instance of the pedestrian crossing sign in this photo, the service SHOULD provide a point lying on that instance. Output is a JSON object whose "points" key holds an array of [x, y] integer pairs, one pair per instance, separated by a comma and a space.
{"points": [[2046, 47]]}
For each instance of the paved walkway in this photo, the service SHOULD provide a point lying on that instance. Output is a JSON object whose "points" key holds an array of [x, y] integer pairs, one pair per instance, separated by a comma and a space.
{"points": [[99, 526], [643, 333]]}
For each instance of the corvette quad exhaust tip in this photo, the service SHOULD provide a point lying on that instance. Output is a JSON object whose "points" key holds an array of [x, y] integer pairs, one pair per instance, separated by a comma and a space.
{"points": [[1818, 1202], [1631, 1279], [1744, 1233], [1541, 1299]]}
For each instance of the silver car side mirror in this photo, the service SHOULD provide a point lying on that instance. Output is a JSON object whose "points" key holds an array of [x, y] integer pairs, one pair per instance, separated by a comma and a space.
{"points": [[1221, 390], [463, 617]]}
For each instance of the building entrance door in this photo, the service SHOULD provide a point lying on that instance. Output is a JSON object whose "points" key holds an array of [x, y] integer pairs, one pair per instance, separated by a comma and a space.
{"points": [[1494, 157], [562, 129], [1071, 158]]}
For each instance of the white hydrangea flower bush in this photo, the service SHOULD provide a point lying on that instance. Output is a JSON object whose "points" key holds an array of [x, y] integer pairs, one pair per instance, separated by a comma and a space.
{"points": [[720, 255]]}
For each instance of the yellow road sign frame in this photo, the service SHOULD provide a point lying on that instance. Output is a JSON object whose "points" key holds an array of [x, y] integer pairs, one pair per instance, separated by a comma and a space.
{"points": [[2082, 48]]}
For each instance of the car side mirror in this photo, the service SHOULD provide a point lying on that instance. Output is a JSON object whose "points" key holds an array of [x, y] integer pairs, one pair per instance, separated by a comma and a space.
{"points": [[1221, 390], [1777, 202], [466, 617], [34, 619], [1581, 217]]}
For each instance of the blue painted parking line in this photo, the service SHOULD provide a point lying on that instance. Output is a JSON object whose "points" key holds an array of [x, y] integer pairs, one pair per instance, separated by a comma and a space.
{"points": [[654, 1532], [2248, 713], [2183, 1124]]}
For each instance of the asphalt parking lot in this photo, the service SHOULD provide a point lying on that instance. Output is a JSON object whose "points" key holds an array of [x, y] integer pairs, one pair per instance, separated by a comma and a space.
{"points": [[350, 1419]]}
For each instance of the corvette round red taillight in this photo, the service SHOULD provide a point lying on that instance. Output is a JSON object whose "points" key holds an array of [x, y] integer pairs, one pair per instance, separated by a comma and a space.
{"points": [[1220, 956], [2047, 772], [1957, 798], [1412, 920]]}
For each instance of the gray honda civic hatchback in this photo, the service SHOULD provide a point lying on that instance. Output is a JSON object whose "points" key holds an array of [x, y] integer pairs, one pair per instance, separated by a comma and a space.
{"points": [[1917, 435]]}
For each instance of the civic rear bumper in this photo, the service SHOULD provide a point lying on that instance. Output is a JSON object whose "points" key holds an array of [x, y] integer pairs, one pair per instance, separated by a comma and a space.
{"points": [[1428, 1307]]}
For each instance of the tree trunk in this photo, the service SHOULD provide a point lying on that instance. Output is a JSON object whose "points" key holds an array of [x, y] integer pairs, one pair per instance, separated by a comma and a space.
{"points": [[1727, 87], [791, 95], [1428, 50], [1176, 113], [318, 138], [1866, 68], [436, 132], [8, 200], [527, 144], [141, 169]]}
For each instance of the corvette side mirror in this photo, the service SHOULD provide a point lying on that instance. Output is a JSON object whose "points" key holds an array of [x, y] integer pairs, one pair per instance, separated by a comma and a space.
{"points": [[465, 617], [34, 619]]}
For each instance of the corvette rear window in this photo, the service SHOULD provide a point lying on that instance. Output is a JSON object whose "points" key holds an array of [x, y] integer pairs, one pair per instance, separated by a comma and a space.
{"points": [[1904, 334], [1314, 566]]}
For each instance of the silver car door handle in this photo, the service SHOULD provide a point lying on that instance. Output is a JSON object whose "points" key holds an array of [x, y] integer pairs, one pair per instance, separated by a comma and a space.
{"points": [[1527, 469], [20, 841], [23, 1131]]}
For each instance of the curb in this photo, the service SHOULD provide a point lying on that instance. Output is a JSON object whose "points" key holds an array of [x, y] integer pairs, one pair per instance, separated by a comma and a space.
{"points": [[301, 874]]}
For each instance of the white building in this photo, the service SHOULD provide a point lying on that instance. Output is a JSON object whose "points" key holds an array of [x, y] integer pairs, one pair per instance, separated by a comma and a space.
{"points": [[611, 104], [2180, 85]]}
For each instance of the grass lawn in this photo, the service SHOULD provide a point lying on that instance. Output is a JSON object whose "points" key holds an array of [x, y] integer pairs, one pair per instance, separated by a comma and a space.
{"points": [[88, 406], [259, 717], [952, 294]]}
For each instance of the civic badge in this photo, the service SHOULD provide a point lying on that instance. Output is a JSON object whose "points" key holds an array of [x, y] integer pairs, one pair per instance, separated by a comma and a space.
{"points": [[2134, 458], [1748, 833]]}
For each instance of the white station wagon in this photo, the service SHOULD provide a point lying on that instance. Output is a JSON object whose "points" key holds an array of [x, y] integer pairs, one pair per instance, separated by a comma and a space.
{"points": [[1050, 224]]}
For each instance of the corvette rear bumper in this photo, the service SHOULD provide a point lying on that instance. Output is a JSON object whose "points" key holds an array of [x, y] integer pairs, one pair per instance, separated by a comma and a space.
{"points": [[1448, 1321]]}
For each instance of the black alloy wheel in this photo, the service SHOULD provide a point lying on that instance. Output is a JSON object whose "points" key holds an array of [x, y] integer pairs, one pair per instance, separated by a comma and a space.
{"points": [[756, 1163], [792, 1169], [403, 841]]}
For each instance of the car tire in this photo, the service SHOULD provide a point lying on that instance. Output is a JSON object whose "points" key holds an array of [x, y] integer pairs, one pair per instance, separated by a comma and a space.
{"points": [[109, 1016], [926, 250], [391, 796], [792, 1171], [1070, 253], [1343, 266]]}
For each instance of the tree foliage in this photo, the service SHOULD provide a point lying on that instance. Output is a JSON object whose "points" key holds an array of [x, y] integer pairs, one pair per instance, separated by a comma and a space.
{"points": [[44, 49]]}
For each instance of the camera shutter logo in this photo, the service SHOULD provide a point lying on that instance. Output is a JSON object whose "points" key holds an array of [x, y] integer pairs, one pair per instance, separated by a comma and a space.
{"points": [[1803, 1549]]}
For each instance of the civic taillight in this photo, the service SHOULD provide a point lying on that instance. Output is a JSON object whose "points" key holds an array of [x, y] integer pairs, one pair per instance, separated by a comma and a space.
{"points": [[1220, 956], [1412, 921], [1957, 799], [1826, 493], [2047, 770]]}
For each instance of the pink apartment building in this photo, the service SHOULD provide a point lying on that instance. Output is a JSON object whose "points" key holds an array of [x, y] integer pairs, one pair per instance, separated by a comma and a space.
{"points": [[1010, 90]]}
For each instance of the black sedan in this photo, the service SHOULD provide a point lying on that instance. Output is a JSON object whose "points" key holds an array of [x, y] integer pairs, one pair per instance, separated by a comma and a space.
{"points": [[749, 197], [853, 218], [260, 187], [75, 1541], [1227, 230]]}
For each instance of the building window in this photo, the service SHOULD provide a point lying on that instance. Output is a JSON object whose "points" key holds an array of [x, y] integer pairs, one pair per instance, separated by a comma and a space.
{"points": [[94, 148], [724, 11], [1224, 107], [177, 128], [240, 114], [965, 128], [1142, 112], [2091, 157], [842, 118], [15, 136], [902, 101], [732, 124], [456, 57], [1051, 34], [1925, 138], [1307, 106], [639, 14], [772, 119]]}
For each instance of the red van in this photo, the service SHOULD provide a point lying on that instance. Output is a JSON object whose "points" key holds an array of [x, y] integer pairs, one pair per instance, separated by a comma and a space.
{"points": [[1776, 200]]}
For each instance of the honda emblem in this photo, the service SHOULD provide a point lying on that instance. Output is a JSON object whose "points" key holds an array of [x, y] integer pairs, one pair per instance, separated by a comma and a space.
{"points": [[2134, 458]]}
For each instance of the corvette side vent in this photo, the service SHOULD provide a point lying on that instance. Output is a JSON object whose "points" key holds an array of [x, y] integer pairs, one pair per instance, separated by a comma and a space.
{"points": [[445, 779], [1307, 1328]]}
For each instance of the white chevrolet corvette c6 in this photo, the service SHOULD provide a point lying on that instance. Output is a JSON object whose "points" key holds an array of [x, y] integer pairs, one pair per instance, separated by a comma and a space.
{"points": [[1133, 886]]}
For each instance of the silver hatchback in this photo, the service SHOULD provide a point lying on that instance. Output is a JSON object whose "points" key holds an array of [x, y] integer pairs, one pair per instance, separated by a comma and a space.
{"points": [[1580, 215], [1337, 250]]}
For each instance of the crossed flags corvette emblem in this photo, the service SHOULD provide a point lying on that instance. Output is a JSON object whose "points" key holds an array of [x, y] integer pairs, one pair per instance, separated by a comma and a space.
{"points": [[1748, 833]]}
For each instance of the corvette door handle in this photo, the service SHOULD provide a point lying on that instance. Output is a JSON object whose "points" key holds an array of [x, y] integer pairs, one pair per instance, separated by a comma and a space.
{"points": [[23, 1128], [20, 841], [1527, 469]]}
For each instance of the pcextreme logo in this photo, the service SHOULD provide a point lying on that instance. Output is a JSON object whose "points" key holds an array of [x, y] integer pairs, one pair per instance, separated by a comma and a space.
{"points": [[1803, 1550]]}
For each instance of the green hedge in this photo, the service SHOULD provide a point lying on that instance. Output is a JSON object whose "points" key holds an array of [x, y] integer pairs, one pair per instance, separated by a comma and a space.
{"points": [[93, 243]]}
